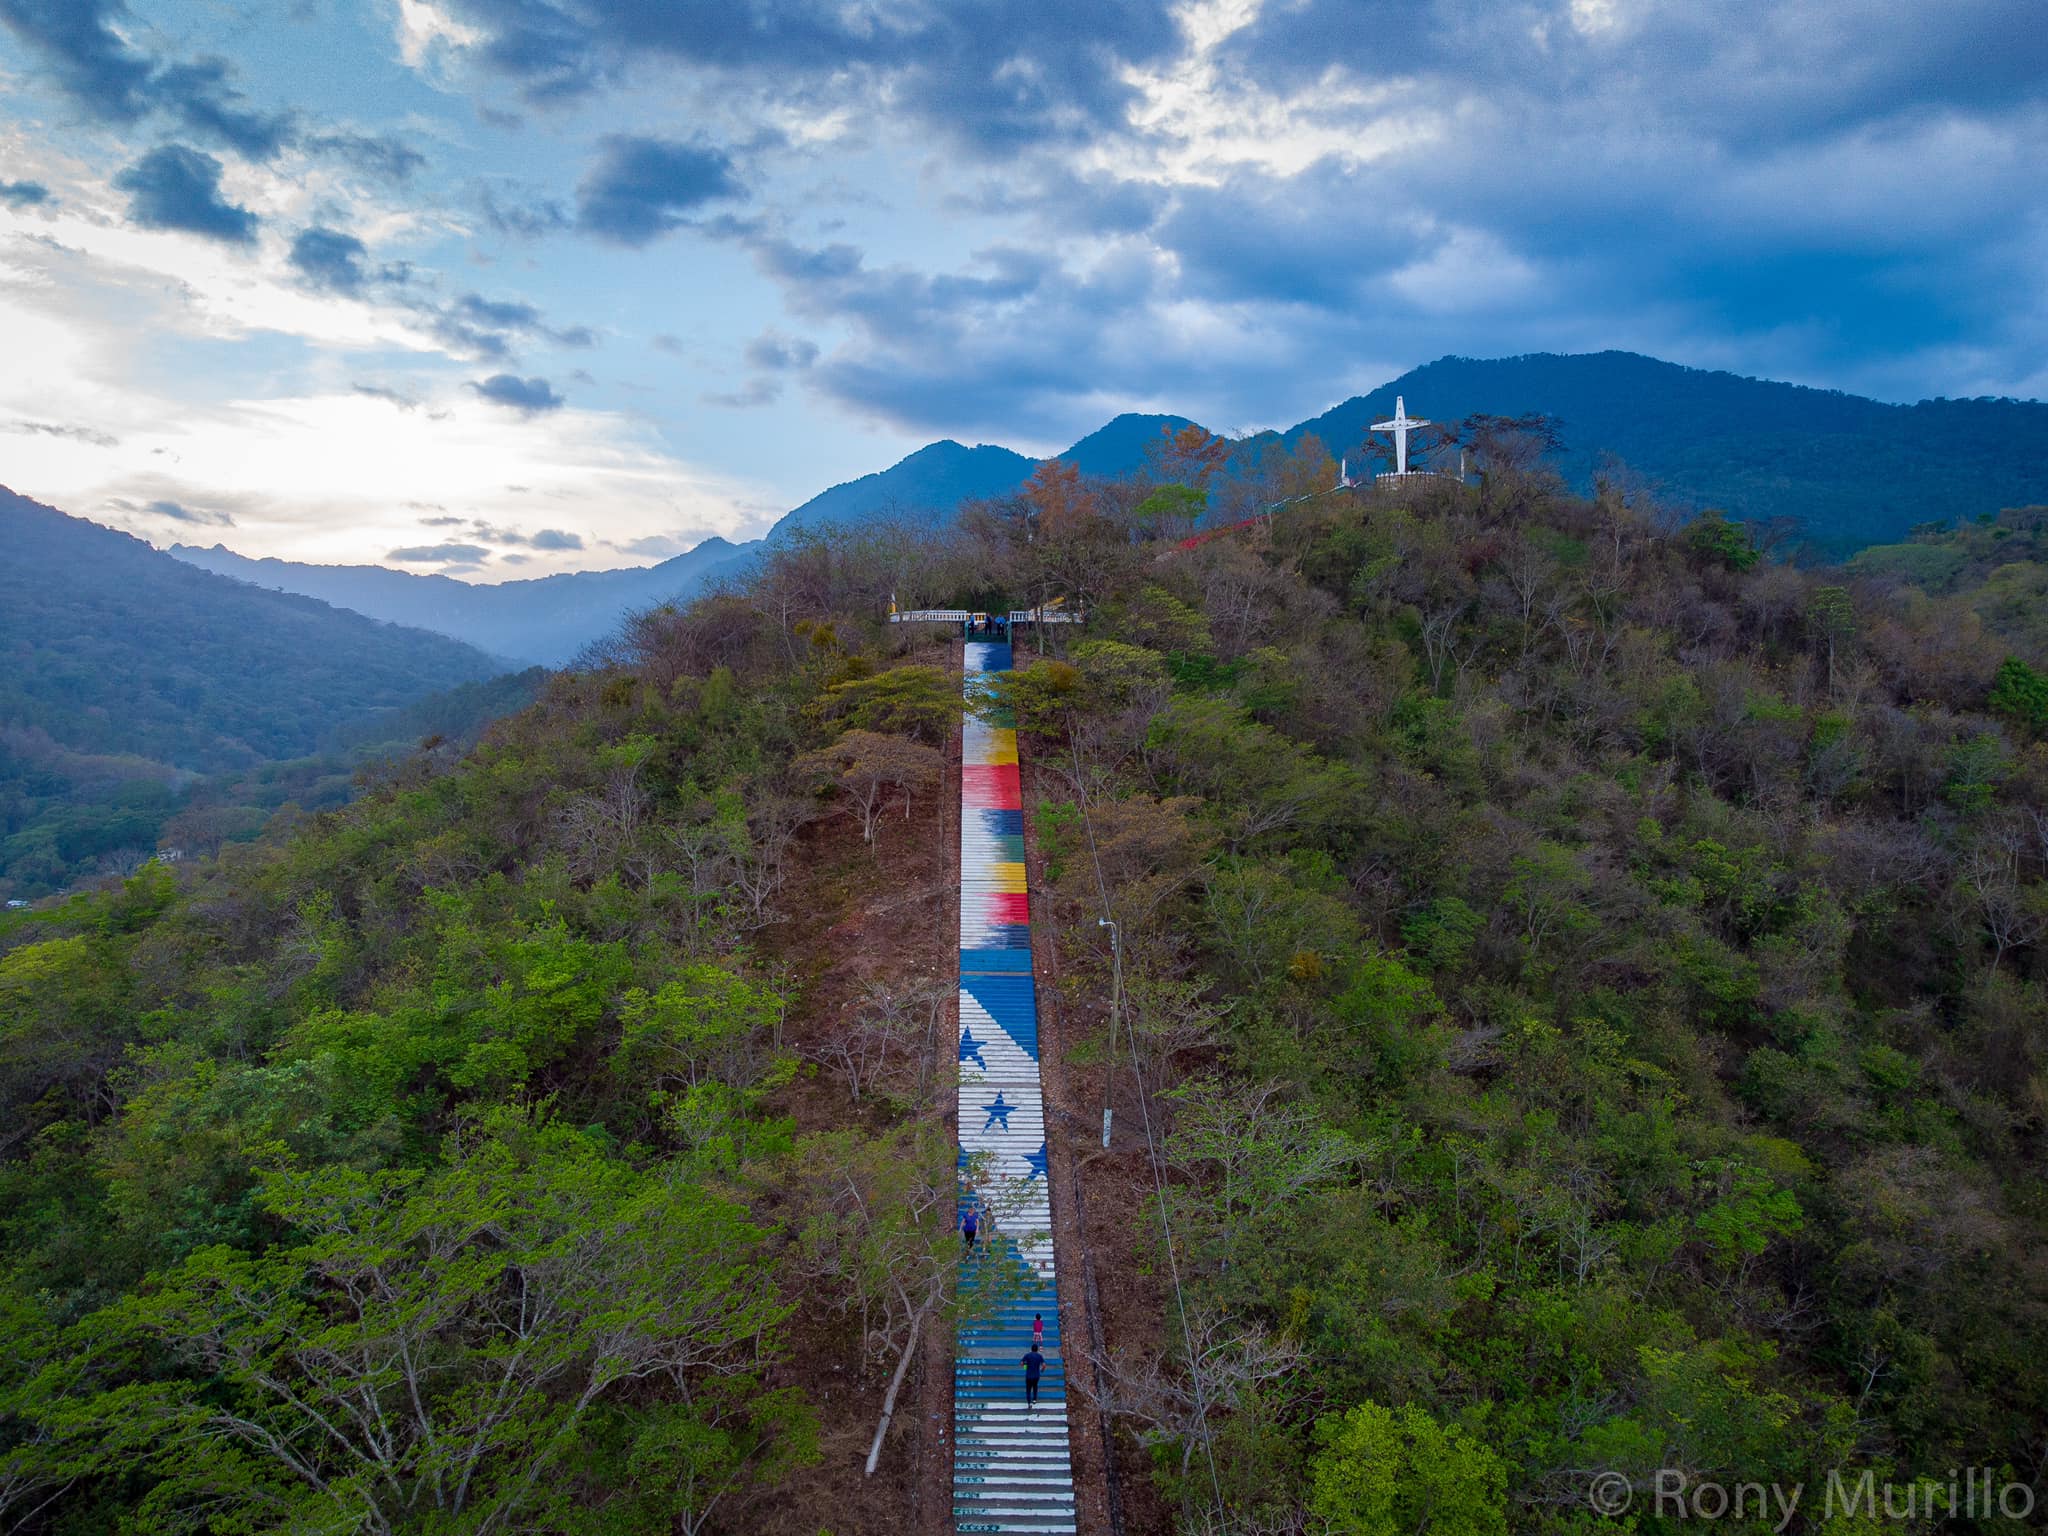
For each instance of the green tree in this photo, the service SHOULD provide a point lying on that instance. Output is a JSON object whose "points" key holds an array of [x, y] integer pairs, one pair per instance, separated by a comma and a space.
{"points": [[868, 767], [428, 1352], [1398, 1472], [1713, 539], [1170, 510], [2020, 693], [923, 702]]}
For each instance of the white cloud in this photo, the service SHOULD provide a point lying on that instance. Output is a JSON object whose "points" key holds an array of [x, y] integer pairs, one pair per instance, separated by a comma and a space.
{"points": [[1469, 269], [318, 477], [424, 26], [317, 472]]}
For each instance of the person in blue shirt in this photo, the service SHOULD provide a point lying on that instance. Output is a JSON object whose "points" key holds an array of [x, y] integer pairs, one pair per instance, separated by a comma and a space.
{"points": [[1034, 1363]]}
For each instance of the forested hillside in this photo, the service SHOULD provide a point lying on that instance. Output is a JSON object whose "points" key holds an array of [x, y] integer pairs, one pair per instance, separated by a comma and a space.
{"points": [[1582, 1015], [129, 676], [1848, 471]]}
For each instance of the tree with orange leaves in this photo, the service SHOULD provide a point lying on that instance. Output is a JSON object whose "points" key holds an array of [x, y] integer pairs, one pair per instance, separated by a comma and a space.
{"points": [[1190, 456], [1063, 502]]}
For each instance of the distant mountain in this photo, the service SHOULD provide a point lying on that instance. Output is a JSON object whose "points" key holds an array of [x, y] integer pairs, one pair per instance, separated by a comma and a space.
{"points": [[550, 618], [1853, 471], [935, 479], [1119, 448], [114, 647], [546, 620], [126, 676]]}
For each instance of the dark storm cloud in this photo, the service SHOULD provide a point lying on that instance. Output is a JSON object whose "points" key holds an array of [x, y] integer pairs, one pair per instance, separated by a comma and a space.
{"points": [[1001, 75], [80, 43], [1010, 349], [1746, 72], [527, 396], [1777, 188], [330, 259], [174, 187], [85, 56], [199, 96], [639, 189], [24, 194]]}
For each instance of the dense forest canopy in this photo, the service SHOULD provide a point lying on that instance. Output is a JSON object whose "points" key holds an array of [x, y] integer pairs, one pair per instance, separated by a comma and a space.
{"points": [[137, 688], [1585, 979]]}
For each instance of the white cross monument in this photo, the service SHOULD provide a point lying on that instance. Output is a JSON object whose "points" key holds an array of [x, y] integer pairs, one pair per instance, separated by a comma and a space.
{"points": [[1400, 426]]}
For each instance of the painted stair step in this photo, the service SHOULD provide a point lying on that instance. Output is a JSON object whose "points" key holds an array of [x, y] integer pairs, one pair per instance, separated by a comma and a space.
{"points": [[1051, 1405], [1051, 1489], [1046, 1456], [1010, 1473], [971, 1517], [1025, 1500], [1031, 1467], [1010, 1508], [1054, 1433]]}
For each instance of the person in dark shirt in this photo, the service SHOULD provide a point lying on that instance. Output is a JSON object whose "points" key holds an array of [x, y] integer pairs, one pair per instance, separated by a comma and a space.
{"points": [[1034, 1363], [970, 1226]]}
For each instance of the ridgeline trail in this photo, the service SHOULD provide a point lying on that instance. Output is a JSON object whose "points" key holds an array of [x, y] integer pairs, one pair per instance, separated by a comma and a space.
{"points": [[1011, 1467]]}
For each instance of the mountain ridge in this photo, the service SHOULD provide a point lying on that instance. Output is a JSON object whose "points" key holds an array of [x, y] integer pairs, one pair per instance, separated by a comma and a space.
{"points": [[1853, 470]]}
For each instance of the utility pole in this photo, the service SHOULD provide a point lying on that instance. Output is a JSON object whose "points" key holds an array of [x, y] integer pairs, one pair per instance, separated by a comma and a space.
{"points": [[1116, 1000]]}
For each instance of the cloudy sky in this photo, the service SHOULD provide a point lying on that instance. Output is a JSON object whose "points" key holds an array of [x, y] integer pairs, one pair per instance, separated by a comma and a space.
{"points": [[503, 287]]}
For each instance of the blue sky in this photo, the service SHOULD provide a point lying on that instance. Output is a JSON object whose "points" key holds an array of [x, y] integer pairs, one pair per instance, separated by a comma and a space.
{"points": [[504, 287]]}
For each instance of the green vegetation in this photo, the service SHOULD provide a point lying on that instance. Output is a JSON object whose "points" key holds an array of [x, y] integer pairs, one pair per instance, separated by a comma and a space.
{"points": [[1590, 978], [1586, 987], [453, 1161], [146, 703]]}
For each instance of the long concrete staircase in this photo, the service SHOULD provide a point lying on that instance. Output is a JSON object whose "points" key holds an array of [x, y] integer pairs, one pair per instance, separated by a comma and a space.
{"points": [[1011, 1470]]}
